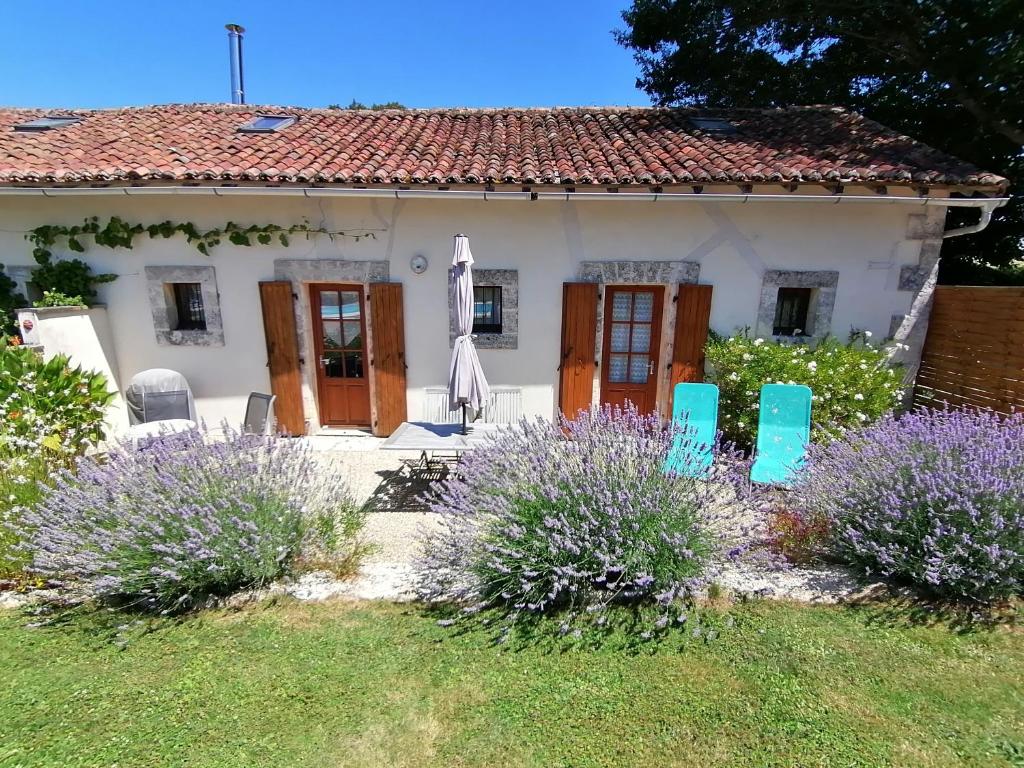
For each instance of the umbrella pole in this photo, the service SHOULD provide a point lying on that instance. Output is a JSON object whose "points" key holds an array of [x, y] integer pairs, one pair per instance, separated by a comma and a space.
{"points": [[464, 419]]}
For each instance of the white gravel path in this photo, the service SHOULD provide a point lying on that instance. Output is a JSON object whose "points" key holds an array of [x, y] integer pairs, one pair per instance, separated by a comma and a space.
{"points": [[386, 571]]}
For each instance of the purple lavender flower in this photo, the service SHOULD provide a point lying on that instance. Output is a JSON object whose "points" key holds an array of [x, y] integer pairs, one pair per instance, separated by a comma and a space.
{"points": [[576, 516], [932, 497], [185, 517]]}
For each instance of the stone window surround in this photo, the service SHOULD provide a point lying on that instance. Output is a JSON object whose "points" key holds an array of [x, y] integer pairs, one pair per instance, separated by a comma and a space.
{"points": [[508, 281], [156, 280], [300, 273], [823, 300]]}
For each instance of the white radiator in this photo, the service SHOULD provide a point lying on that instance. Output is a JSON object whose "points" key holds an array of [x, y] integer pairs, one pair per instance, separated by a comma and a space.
{"points": [[504, 407]]}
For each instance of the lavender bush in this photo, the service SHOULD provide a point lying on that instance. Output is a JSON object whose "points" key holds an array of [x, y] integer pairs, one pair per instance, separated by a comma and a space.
{"points": [[933, 497], [573, 517], [185, 517]]}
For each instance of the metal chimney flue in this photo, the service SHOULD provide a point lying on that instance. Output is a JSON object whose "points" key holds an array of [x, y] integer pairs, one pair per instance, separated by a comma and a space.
{"points": [[235, 33]]}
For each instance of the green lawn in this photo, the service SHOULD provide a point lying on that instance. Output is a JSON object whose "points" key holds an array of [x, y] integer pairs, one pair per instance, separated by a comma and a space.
{"points": [[343, 685]]}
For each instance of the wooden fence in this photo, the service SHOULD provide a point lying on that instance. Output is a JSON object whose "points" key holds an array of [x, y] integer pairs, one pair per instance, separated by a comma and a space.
{"points": [[974, 352]]}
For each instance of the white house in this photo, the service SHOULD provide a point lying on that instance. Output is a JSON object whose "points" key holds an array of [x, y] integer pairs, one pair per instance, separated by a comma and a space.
{"points": [[606, 241]]}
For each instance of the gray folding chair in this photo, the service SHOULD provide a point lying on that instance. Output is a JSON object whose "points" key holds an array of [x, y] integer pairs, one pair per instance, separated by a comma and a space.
{"points": [[159, 406], [259, 414]]}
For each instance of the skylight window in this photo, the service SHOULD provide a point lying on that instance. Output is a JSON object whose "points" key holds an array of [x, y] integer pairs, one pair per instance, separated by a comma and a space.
{"points": [[48, 122], [712, 125], [268, 123]]}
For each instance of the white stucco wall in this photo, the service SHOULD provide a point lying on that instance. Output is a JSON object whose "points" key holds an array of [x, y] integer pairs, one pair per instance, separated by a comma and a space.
{"points": [[544, 240], [83, 335]]}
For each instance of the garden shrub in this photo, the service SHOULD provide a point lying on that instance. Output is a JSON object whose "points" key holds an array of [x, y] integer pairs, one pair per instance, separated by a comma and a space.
{"points": [[185, 517], [798, 537], [58, 299], [49, 406], [10, 300], [70, 277], [572, 517], [852, 383], [933, 497], [21, 476]]}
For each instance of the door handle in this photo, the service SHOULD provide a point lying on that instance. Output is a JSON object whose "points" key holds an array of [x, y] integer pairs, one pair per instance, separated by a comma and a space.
{"points": [[650, 368]]}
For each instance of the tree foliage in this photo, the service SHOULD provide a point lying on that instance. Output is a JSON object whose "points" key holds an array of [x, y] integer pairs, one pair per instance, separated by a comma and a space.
{"points": [[374, 107], [946, 72]]}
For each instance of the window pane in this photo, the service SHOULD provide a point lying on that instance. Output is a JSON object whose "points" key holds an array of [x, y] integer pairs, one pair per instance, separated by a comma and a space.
{"points": [[353, 334], [617, 368], [638, 369], [643, 308], [350, 305], [641, 337], [487, 309], [332, 363], [620, 337], [354, 365], [329, 305], [791, 310], [188, 305], [332, 334], [622, 304]]}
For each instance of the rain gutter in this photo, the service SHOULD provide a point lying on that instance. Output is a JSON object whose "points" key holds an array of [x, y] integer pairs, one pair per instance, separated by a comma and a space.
{"points": [[987, 205]]}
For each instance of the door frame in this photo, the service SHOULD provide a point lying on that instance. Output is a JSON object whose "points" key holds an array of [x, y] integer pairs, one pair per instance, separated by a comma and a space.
{"points": [[658, 320], [317, 349]]}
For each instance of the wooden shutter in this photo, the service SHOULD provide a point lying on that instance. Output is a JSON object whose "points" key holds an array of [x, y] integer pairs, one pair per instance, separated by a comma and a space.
{"points": [[283, 355], [388, 324], [693, 313], [578, 360]]}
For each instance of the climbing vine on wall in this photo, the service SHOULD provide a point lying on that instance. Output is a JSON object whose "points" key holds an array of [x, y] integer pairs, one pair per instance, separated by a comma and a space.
{"points": [[74, 276], [118, 233]]}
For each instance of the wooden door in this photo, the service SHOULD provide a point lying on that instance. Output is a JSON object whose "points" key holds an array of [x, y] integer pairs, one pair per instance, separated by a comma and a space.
{"points": [[578, 359], [278, 304], [632, 335], [339, 339], [388, 323], [693, 315]]}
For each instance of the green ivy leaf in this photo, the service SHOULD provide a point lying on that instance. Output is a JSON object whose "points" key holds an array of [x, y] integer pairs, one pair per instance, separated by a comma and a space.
{"points": [[284, 239], [75, 245]]}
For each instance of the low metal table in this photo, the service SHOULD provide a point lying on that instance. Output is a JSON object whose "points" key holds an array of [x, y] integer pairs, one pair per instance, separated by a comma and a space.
{"points": [[438, 444]]}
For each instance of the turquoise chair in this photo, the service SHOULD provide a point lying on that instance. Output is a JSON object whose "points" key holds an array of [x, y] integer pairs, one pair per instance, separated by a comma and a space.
{"points": [[695, 413], [783, 431]]}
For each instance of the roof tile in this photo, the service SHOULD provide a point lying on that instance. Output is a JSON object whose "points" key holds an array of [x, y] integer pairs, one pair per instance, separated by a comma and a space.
{"points": [[581, 146]]}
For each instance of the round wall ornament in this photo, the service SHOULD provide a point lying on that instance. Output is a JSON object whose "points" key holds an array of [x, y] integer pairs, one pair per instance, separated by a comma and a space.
{"points": [[418, 264]]}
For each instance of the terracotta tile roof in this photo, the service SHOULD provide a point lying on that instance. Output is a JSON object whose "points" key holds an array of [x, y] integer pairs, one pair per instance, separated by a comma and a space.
{"points": [[564, 146]]}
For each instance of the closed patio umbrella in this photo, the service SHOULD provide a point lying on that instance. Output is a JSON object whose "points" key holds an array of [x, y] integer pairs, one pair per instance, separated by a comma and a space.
{"points": [[467, 384]]}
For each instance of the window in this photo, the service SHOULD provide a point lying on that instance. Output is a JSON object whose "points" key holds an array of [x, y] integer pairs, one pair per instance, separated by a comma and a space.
{"points": [[268, 123], [188, 314], [712, 125], [791, 312], [185, 306], [46, 123], [486, 309]]}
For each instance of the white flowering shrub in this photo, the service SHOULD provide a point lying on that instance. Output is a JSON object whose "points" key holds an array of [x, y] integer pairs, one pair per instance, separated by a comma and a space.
{"points": [[48, 408], [852, 384], [50, 413]]}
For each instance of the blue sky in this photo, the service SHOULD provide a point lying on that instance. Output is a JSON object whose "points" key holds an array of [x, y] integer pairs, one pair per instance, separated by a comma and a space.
{"points": [[93, 53]]}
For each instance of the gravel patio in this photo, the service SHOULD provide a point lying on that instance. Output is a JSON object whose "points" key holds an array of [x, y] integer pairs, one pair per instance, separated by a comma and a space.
{"points": [[396, 519]]}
